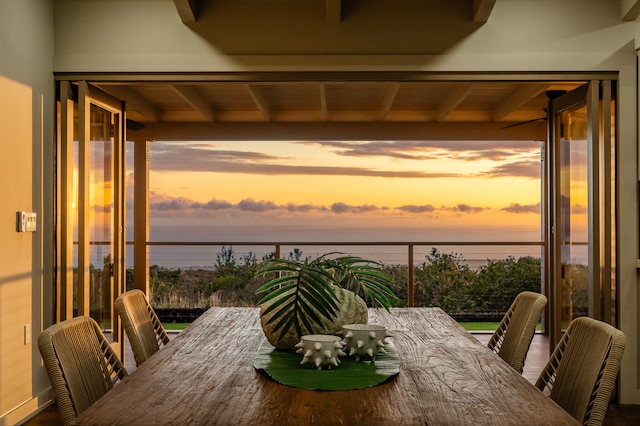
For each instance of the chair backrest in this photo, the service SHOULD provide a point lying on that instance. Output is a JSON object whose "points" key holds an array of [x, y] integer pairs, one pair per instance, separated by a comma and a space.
{"points": [[80, 363], [144, 330], [582, 370], [512, 338]]}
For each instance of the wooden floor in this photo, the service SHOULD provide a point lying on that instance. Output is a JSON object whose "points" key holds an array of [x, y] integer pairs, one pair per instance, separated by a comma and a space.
{"points": [[617, 414]]}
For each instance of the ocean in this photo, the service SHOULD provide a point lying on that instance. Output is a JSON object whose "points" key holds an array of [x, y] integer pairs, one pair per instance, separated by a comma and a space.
{"points": [[187, 246]]}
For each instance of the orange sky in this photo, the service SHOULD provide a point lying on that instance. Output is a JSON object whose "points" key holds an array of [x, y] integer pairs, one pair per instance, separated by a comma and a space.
{"points": [[438, 183]]}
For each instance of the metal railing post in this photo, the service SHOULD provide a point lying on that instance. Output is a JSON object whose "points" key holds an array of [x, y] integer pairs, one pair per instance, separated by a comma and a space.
{"points": [[411, 278]]}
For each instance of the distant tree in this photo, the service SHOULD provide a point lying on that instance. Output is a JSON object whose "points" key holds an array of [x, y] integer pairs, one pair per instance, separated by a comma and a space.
{"points": [[444, 280], [296, 254], [399, 275], [250, 258], [226, 258], [270, 255], [499, 282]]}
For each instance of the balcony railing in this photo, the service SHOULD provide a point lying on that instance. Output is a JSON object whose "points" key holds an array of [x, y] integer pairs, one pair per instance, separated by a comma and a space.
{"points": [[203, 254]]}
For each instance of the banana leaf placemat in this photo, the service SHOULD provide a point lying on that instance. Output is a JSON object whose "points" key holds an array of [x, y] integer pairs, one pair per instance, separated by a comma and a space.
{"points": [[284, 367]]}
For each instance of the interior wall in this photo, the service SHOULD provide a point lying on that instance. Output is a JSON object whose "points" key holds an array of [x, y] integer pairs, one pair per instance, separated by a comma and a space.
{"points": [[26, 123], [237, 35], [529, 36]]}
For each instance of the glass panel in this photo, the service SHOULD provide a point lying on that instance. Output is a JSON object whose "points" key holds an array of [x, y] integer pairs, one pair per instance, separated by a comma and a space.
{"points": [[74, 204], [612, 182], [102, 215], [574, 218]]}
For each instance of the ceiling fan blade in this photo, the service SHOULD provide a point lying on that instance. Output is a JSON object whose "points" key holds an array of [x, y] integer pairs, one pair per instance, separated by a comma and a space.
{"points": [[523, 123]]}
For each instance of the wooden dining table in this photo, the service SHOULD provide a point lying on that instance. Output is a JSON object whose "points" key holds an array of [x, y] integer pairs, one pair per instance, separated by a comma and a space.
{"points": [[206, 376]]}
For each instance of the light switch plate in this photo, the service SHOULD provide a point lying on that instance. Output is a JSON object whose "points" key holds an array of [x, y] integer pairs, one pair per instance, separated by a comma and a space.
{"points": [[26, 221]]}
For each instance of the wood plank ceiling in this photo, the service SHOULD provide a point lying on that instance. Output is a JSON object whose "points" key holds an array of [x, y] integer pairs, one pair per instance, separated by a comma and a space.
{"points": [[178, 105], [334, 101]]}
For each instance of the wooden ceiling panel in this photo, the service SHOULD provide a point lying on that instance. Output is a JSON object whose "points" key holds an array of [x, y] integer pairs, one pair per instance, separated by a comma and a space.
{"points": [[295, 96], [356, 96], [340, 101]]}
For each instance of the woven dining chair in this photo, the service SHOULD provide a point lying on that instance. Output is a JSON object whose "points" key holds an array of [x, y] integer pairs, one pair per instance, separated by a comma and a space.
{"points": [[81, 364], [144, 330], [581, 373], [512, 338]]}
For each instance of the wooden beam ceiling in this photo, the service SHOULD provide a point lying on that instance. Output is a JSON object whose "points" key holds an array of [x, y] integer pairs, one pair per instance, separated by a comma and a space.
{"points": [[482, 10], [192, 96], [517, 99], [333, 9], [629, 10], [453, 99], [188, 10]]}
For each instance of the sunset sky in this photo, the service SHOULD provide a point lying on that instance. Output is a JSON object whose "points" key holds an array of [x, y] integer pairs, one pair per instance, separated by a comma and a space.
{"points": [[331, 186]]}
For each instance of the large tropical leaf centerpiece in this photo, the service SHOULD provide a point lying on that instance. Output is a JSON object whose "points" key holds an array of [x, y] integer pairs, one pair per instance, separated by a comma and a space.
{"points": [[307, 296]]}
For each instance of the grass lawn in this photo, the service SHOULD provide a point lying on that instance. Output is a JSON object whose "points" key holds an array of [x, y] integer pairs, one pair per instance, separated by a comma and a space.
{"points": [[173, 326], [480, 326]]}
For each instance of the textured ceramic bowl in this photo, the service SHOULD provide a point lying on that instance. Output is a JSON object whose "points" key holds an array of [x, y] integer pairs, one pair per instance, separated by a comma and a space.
{"points": [[364, 341], [320, 350]]}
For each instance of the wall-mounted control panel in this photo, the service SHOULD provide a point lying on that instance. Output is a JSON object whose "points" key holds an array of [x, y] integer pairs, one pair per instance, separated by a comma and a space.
{"points": [[26, 221]]}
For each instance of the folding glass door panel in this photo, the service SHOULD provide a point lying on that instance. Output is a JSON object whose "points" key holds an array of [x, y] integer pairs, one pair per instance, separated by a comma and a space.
{"points": [[581, 235], [91, 205]]}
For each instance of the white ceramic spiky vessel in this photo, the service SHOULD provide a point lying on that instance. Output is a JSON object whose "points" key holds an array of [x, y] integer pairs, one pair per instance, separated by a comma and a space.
{"points": [[364, 341], [320, 350]]}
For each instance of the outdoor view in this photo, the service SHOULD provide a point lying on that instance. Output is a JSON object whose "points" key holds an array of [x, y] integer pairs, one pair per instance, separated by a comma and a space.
{"points": [[300, 192]]}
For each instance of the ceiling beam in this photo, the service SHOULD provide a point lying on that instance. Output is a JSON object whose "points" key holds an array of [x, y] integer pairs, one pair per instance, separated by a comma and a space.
{"points": [[323, 102], [259, 99], [133, 100], [453, 99], [517, 99], [336, 131], [187, 9], [629, 10], [482, 10], [333, 11], [197, 102], [392, 91]]}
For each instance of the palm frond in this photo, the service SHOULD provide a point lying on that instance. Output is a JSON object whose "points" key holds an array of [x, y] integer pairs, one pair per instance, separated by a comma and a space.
{"points": [[302, 294]]}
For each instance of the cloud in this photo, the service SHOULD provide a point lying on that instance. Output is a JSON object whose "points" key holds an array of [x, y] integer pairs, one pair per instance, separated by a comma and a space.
{"points": [[203, 158], [525, 168], [165, 203], [429, 150], [208, 157], [411, 208], [160, 204], [249, 205], [519, 208], [304, 208], [341, 208], [213, 205], [464, 208]]}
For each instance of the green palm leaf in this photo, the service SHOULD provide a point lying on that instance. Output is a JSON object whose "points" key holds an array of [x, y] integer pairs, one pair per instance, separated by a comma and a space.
{"points": [[301, 293]]}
